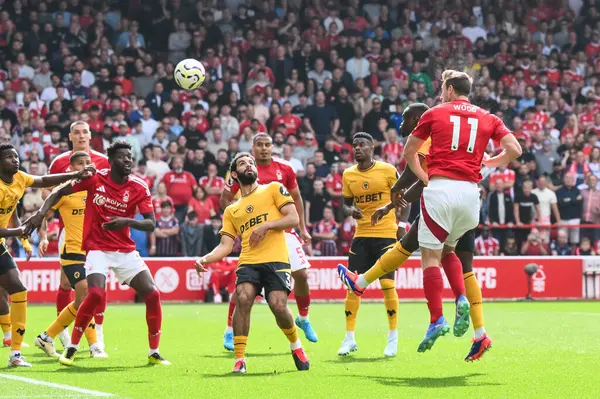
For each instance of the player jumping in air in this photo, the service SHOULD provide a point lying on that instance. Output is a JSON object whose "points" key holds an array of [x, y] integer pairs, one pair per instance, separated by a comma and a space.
{"points": [[113, 195], [80, 137], [13, 183], [365, 188], [72, 259], [277, 170], [261, 216]]}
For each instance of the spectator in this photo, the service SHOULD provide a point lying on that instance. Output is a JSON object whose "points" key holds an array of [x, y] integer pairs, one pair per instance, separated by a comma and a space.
{"points": [[28, 145], [322, 118], [560, 246], [156, 165], [500, 210], [584, 248], [591, 208], [164, 241], [192, 236], [316, 202], [545, 158], [203, 208], [140, 238], [211, 233], [325, 234], [534, 245], [322, 167], [510, 247], [548, 207], [527, 211], [307, 151], [180, 187], [486, 245], [570, 203], [213, 184], [160, 197]]}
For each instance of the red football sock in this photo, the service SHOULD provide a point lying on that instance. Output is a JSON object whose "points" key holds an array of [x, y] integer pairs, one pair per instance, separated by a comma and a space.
{"points": [[433, 285], [230, 314], [153, 318], [303, 303], [99, 313], [85, 313], [63, 299], [453, 269]]}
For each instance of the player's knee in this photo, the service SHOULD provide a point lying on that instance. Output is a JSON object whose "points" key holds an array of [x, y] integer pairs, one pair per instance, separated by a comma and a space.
{"points": [[300, 275], [278, 305], [244, 299], [152, 296], [96, 293], [65, 285]]}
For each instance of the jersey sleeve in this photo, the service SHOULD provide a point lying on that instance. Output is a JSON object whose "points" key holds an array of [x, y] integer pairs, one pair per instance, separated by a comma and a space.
{"points": [[27, 179], [423, 129], [228, 227], [59, 203], [83, 185], [392, 175], [500, 129], [290, 178], [281, 195], [145, 204], [346, 192]]}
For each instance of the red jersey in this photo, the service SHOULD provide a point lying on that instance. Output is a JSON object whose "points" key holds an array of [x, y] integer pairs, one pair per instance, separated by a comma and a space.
{"points": [[392, 152], [277, 171], [487, 247], [291, 122], [157, 204], [334, 182], [216, 182], [180, 186], [531, 128], [107, 199], [460, 133]]}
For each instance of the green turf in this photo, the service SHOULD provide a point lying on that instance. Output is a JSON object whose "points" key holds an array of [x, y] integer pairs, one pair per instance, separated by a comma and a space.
{"points": [[543, 350]]}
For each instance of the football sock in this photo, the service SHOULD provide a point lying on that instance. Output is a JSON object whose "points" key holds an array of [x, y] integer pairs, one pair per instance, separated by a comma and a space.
{"points": [[433, 285], [63, 299], [5, 325], [390, 261], [90, 334], [476, 299], [230, 313], [239, 346], [292, 336], [453, 269], [153, 318], [64, 319], [18, 313], [303, 303], [85, 313], [390, 300], [99, 319], [351, 303]]}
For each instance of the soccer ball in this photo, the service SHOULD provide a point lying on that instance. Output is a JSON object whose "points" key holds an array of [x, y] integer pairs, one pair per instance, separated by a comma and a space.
{"points": [[190, 74]]}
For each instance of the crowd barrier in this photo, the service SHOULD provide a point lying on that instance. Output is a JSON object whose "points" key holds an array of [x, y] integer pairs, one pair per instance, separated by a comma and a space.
{"points": [[501, 278]]}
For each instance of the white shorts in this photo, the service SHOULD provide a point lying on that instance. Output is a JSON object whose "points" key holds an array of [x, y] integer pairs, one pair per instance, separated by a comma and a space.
{"points": [[449, 208], [126, 265], [61, 239], [298, 259]]}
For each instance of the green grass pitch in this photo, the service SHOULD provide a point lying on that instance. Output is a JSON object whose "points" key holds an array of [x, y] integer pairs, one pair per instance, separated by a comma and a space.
{"points": [[541, 350]]}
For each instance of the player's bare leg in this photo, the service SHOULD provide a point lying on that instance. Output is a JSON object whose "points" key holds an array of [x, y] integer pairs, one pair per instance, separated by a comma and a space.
{"points": [[45, 341], [433, 285], [144, 285], [302, 295], [245, 294], [285, 320], [63, 299], [5, 317], [481, 341], [13, 286], [228, 336]]}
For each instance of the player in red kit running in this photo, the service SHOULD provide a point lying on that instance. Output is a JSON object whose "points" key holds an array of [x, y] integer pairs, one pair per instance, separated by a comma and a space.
{"points": [[113, 197], [80, 137], [459, 133], [277, 170]]}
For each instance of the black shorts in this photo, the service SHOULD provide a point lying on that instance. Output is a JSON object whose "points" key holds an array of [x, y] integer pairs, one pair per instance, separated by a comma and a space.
{"points": [[75, 273], [365, 251], [272, 276], [7, 262], [466, 242]]}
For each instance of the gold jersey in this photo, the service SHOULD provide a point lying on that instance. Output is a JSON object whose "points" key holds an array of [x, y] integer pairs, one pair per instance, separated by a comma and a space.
{"points": [[370, 189], [10, 195], [249, 212], [72, 212]]}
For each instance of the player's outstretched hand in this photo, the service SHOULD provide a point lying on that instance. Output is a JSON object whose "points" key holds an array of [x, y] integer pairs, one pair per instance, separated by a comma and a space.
{"points": [[398, 199], [257, 235], [486, 157], [42, 247], [32, 223], [378, 214], [87, 172], [116, 223], [356, 213], [200, 265], [27, 248], [305, 236]]}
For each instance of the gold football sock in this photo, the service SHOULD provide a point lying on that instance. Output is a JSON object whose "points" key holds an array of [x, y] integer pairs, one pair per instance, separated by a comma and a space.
{"points": [[351, 303], [239, 346], [18, 312], [473, 291], [390, 300], [90, 334], [64, 319], [389, 261], [291, 333], [5, 322]]}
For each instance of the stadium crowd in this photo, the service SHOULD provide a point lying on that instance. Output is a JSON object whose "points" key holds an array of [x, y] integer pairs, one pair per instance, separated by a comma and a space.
{"points": [[311, 74]]}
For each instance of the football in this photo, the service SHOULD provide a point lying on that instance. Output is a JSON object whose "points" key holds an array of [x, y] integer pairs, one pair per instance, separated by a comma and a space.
{"points": [[190, 74]]}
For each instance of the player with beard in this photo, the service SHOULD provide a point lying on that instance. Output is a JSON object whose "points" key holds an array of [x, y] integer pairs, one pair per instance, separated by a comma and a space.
{"points": [[113, 196], [261, 216], [277, 170], [409, 243]]}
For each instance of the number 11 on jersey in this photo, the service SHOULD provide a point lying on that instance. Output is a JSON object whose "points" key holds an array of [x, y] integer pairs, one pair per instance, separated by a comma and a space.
{"points": [[473, 123]]}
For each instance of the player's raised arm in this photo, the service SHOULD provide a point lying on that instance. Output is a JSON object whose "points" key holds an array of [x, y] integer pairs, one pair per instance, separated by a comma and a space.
{"points": [[228, 234], [35, 220], [511, 147], [411, 153], [147, 224], [53, 180]]}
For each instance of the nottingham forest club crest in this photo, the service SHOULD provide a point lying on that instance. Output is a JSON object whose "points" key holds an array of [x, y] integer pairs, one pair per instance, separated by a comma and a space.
{"points": [[279, 175], [365, 185], [126, 196]]}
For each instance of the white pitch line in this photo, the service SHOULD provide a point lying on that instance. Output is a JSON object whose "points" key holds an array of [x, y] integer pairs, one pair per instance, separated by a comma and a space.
{"points": [[57, 386]]}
